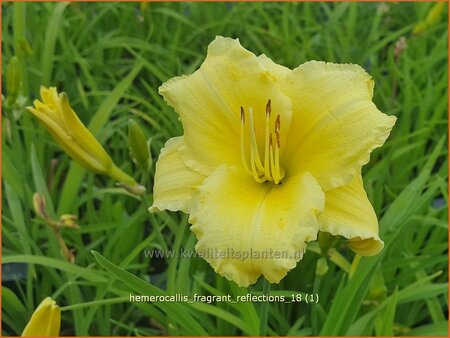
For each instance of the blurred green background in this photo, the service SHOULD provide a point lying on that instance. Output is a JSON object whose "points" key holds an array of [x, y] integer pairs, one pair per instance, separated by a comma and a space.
{"points": [[110, 58]]}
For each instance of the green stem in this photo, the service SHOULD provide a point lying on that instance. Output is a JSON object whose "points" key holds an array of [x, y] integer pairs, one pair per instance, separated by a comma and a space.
{"points": [[354, 266], [314, 315], [120, 176], [116, 300], [264, 310]]}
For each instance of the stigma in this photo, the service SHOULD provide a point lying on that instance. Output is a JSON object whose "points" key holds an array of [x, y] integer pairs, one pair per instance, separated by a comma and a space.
{"points": [[265, 169]]}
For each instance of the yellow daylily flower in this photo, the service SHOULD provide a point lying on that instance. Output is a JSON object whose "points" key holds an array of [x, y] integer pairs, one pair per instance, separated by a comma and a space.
{"points": [[61, 121], [269, 157], [45, 320]]}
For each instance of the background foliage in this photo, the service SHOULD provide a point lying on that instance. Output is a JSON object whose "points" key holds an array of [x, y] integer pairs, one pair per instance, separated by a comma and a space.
{"points": [[110, 58]]}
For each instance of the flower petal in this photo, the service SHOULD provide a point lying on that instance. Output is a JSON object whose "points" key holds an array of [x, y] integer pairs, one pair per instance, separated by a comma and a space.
{"points": [[174, 181], [348, 213], [209, 102], [279, 72], [335, 124], [246, 229]]}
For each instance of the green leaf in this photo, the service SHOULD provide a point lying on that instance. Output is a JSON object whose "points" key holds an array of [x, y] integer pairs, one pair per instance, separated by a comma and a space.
{"points": [[176, 312], [86, 273], [39, 182], [48, 52], [430, 330], [385, 321], [11, 303]]}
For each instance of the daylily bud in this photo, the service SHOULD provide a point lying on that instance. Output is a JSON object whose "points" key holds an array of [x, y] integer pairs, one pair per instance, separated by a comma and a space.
{"points": [[432, 18], [138, 145], [136, 189], [145, 6], [25, 46], [55, 113], [45, 320], [377, 288], [13, 78], [39, 205], [321, 266], [354, 265]]}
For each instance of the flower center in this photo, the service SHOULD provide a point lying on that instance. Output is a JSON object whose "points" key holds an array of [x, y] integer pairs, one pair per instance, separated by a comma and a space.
{"points": [[268, 169]]}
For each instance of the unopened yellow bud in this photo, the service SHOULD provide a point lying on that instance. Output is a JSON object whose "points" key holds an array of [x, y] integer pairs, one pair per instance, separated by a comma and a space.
{"points": [[435, 13], [45, 321], [145, 6], [56, 114], [432, 17]]}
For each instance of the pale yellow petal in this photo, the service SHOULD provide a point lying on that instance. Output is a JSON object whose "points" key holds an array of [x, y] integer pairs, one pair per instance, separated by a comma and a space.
{"points": [[174, 181], [209, 101], [335, 124], [348, 213], [245, 229], [279, 72]]}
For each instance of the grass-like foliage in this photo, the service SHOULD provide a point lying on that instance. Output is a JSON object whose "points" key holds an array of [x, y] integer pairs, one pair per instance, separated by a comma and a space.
{"points": [[110, 58]]}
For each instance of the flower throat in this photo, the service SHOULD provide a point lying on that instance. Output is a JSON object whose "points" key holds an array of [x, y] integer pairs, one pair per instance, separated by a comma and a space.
{"points": [[267, 169]]}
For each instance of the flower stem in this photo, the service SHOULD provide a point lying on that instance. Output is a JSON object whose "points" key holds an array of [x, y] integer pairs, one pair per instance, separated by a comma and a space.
{"points": [[264, 310], [354, 265]]}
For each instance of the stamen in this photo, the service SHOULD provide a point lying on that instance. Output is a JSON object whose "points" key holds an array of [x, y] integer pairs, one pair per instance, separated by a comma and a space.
{"points": [[270, 170], [254, 171], [244, 161], [277, 124], [272, 160], [277, 176], [266, 146], [268, 107], [254, 143]]}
